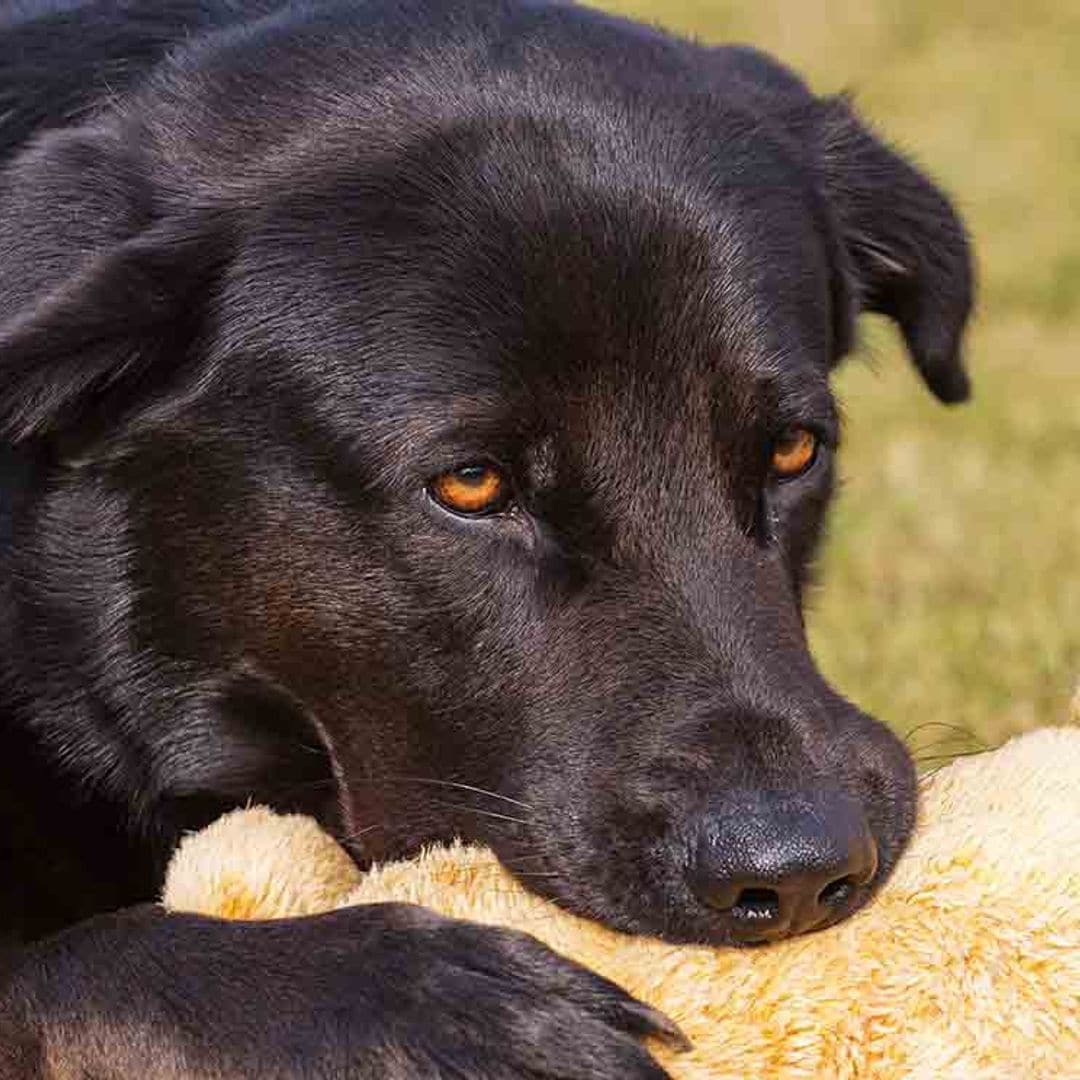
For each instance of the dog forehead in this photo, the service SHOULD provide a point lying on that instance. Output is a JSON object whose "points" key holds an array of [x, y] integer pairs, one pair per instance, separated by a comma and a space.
{"points": [[580, 278], [519, 269]]}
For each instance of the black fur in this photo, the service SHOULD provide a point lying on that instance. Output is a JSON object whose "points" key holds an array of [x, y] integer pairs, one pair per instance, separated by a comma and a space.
{"points": [[265, 270]]}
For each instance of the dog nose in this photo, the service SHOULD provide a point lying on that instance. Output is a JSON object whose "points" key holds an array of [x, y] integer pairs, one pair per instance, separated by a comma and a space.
{"points": [[775, 864]]}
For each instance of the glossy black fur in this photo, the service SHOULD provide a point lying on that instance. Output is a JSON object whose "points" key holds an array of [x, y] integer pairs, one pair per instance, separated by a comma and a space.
{"points": [[265, 270]]}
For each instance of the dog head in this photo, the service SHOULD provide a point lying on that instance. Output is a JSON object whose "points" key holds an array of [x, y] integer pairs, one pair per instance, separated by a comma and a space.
{"points": [[459, 417]]}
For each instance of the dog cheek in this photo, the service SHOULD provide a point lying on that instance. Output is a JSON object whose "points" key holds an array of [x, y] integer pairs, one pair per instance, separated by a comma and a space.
{"points": [[887, 785]]}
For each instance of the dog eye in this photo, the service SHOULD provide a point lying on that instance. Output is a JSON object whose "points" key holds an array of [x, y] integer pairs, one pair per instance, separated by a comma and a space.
{"points": [[793, 453], [473, 490]]}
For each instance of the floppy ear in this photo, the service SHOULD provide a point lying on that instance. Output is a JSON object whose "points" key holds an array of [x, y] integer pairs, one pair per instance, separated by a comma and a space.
{"points": [[907, 247], [90, 343], [97, 286]]}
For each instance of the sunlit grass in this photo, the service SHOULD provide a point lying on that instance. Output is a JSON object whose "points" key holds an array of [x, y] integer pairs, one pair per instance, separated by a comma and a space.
{"points": [[951, 582]]}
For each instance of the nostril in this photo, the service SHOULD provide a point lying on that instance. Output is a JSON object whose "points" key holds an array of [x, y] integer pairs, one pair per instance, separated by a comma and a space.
{"points": [[781, 863], [756, 905], [838, 892]]}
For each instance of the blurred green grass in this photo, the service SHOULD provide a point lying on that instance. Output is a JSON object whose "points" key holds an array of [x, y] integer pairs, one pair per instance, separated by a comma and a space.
{"points": [[950, 598]]}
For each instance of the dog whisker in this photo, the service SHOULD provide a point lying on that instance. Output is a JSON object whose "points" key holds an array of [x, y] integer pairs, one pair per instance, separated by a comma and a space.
{"points": [[466, 808], [464, 787], [945, 746], [357, 833], [948, 740], [376, 780], [945, 758], [960, 730]]}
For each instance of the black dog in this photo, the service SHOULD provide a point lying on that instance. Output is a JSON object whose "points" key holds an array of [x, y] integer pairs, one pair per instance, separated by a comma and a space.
{"points": [[416, 414]]}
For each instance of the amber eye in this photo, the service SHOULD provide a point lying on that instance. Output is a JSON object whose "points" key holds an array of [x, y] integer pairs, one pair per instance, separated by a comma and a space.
{"points": [[794, 453], [472, 489]]}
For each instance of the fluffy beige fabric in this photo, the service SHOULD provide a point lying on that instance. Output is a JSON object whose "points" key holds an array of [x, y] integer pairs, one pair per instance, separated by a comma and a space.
{"points": [[966, 968]]}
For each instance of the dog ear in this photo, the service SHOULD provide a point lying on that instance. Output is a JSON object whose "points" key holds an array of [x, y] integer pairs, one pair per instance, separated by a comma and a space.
{"points": [[908, 250], [92, 341], [96, 288]]}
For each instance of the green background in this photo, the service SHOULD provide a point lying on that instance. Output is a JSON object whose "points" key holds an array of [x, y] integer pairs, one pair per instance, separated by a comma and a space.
{"points": [[949, 602]]}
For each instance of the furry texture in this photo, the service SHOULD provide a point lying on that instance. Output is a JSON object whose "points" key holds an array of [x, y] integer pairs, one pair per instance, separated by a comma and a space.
{"points": [[967, 966], [265, 280]]}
